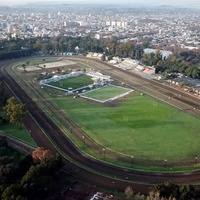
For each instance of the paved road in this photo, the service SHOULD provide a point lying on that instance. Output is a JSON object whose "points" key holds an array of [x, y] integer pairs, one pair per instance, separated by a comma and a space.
{"points": [[88, 169]]}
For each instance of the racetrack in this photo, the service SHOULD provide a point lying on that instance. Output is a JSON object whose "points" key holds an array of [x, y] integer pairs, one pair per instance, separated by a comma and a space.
{"points": [[94, 171]]}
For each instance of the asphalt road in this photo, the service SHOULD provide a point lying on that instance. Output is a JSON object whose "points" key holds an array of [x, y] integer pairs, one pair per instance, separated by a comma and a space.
{"points": [[44, 131]]}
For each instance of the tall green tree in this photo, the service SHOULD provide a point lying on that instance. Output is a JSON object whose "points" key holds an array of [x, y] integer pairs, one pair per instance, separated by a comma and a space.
{"points": [[15, 111]]}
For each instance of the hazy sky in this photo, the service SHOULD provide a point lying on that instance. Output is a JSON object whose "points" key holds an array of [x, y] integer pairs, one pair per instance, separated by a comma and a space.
{"points": [[193, 3]]}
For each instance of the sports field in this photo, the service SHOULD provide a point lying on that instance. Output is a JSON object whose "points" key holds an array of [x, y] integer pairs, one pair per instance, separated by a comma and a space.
{"points": [[137, 125], [74, 82], [106, 93]]}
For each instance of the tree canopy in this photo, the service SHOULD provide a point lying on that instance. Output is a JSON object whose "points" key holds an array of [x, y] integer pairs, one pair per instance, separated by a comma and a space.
{"points": [[25, 179], [15, 111]]}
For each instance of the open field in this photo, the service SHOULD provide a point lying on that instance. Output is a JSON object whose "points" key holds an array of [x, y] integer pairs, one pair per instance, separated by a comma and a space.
{"points": [[137, 125], [20, 134], [74, 82], [142, 180], [106, 93], [36, 61], [39, 64], [14, 131]]}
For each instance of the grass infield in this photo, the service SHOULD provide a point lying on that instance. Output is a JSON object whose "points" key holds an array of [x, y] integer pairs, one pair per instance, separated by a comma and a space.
{"points": [[105, 93], [137, 125], [74, 83]]}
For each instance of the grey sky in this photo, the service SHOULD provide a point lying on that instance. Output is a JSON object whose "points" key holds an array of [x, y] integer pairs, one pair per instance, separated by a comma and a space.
{"points": [[193, 3]]}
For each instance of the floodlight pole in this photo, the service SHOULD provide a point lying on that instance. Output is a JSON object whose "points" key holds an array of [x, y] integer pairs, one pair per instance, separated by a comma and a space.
{"points": [[83, 139], [132, 159], [104, 152]]}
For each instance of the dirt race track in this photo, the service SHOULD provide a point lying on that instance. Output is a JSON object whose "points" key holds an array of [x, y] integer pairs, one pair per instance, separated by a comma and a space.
{"points": [[94, 171]]}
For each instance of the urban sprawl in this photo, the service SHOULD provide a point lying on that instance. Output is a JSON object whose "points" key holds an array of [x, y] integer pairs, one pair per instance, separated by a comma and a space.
{"points": [[163, 26]]}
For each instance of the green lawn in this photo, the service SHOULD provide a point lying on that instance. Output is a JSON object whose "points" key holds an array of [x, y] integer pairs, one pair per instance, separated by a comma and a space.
{"points": [[14, 131], [105, 93], [138, 126], [73, 82]]}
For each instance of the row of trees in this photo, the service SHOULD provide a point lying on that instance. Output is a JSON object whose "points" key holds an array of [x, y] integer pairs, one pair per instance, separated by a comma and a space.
{"points": [[166, 191], [185, 61], [191, 56], [30, 178], [112, 46], [174, 64]]}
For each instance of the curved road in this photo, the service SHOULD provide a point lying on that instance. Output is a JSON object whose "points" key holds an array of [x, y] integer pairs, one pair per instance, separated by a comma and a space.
{"points": [[80, 165]]}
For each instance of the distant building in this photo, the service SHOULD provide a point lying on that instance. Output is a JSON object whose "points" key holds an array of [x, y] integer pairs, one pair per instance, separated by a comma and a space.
{"points": [[83, 23], [110, 28], [9, 29], [165, 54], [3, 26], [25, 28], [113, 23], [119, 24], [108, 23], [71, 23], [97, 36], [124, 24]]}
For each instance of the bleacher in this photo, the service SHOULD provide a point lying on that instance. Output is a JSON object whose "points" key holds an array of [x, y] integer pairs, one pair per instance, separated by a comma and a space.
{"points": [[95, 55]]}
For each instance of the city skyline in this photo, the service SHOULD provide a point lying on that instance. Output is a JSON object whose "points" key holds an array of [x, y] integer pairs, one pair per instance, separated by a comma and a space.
{"points": [[182, 3]]}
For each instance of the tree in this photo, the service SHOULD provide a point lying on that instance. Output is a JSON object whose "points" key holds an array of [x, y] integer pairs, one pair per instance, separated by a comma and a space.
{"points": [[195, 73], [40, 154], [187, 192], [128, 192], [55, 45], [3, 93], [157, 57], [3, 145], [15, 111], [12, 193], [6, 172], [27, 180], [188, 71], [167, 190], [24, 67], [37, 182], [3, 141]]}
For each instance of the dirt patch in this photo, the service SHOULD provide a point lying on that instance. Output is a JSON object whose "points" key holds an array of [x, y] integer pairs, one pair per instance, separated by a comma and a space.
{"points": [[112, 104], [116, 102], [50, 65]]}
